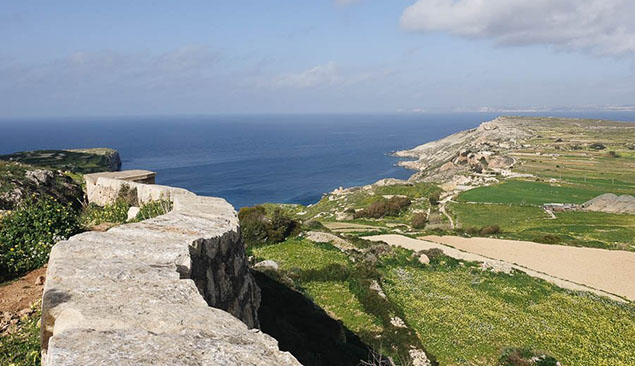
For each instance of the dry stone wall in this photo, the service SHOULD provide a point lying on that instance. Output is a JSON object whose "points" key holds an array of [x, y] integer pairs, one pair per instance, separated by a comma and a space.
{"points": [[173, 290]]}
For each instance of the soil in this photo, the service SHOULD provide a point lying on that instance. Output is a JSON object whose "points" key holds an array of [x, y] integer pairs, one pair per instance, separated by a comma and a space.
{"points": [[19, 294]]}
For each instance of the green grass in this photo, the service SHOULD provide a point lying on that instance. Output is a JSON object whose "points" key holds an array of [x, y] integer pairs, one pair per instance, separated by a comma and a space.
{"points": [[23, 347], [467, 317], [337, 299], [302, 254], [462, 315], [581, 228], [522, 192], [340, 286]]}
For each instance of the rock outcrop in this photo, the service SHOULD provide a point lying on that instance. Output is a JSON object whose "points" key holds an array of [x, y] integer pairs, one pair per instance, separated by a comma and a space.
{"points": [[19, 181], [173, 290], [469, 150], [611, 203]]}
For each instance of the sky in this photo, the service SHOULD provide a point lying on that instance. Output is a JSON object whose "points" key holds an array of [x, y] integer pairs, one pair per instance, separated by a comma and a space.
{"points": [[159, 57]]}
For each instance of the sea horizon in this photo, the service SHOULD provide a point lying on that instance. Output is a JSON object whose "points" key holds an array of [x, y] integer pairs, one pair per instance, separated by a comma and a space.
{"points": [[259, 158]]}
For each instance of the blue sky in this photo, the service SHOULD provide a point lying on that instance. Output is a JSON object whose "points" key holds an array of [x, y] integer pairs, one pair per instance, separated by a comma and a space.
{"points": [[105, 58]]}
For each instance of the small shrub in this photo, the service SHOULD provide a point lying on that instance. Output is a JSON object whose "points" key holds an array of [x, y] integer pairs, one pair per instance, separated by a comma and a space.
{"points": [[253, 224], [281, 226], [490, 230], [379, 209], [153, 209], [433, 253], [349, 210], [28, 233], [485, 230], [257, 228], [550, 239], [419, 220], [434, 198], [597, 146], [613, 154]]}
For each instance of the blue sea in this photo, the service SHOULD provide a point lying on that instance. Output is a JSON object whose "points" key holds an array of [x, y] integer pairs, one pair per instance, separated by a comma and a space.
{"points": [[251, 159]]}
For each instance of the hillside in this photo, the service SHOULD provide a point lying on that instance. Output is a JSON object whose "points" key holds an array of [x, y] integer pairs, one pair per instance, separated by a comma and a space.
{"points": [[77, 160], [512, 178]]}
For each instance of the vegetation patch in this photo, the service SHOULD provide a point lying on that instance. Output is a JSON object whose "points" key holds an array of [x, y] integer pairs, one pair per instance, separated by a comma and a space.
{"points": [[114, 213], [153, 209], [78, 161], [379, 209], [258, 226], [23, 347], [466, 316], [579, 228], [521, 192], [28, 233]]}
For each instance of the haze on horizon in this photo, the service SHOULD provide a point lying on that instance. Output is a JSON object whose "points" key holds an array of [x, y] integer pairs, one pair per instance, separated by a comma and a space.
{"points": [[79, 58]]}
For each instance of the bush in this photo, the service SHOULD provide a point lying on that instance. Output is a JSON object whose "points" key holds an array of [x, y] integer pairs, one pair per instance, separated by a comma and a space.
{"points": [[490, 230], [257, 228], [419, 220], [281, 226], [549, 239], [379, 209], [485, 230], [28, 233], [613, 154], [253, 224], [434, 198], [154, 209], [116, 213]]}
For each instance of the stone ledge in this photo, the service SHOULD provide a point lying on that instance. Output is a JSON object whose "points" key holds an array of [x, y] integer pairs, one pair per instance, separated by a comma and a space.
{"points": [[140, 294]]}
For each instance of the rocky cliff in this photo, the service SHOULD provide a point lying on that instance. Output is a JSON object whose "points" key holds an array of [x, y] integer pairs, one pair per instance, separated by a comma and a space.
{"points": [[166, 291], [469, 150]]}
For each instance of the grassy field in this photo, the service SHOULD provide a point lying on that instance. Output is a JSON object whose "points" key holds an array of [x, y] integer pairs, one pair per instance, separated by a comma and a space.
{"points": [[462, 315], [466, 317], [521, 192], [593, 229]]}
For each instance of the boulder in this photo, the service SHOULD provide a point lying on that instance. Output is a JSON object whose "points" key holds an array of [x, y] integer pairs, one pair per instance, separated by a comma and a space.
{"points": [[132, 212], [267, 264]]}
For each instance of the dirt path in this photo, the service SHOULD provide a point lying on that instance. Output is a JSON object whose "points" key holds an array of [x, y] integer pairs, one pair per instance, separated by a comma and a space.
{"points": [[442, 205], [16, 298], [603, 272], [21, 293]]}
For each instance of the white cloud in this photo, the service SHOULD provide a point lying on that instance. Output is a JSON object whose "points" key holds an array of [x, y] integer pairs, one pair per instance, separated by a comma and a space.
{"points": [[328, 74], [325, 74], [602, 27]]}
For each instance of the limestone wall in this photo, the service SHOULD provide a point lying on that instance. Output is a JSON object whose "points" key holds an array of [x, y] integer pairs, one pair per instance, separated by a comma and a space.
{"points": [[140, 294]]}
